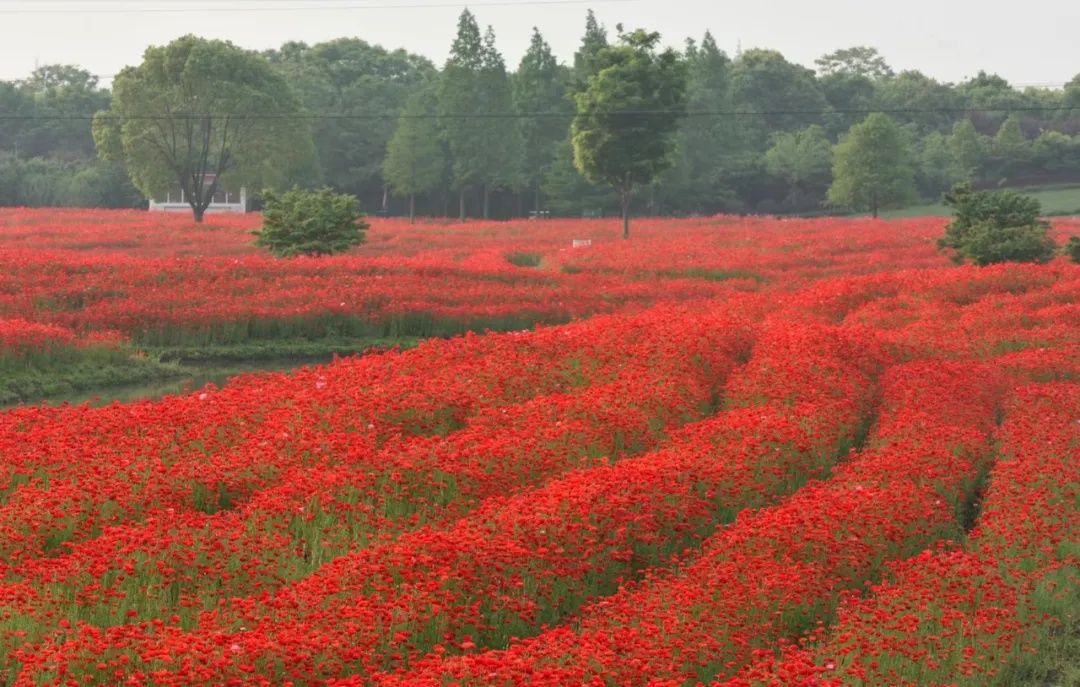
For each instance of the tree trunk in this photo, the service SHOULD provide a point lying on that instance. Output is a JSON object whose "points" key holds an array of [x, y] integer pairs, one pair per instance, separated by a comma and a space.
{"points": [[385, 199], [624, 196], [873, 204], [461, 204], [198, 212], [536, 199], [487, 200], [412, 208]]}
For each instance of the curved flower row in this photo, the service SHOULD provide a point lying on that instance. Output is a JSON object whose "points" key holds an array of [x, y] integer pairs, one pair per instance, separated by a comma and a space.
{"points": [[972, 616], [778, 571], [500, 566], [229, 444], [182, 562]]}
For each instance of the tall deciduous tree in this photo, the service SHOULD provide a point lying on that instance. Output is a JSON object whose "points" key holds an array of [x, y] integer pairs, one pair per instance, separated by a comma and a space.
{"points": [[540, 99], [414, 157], [501, 156], [196, 112], [802, 159], [784, 96], [628, 114], [872, 169], [62, 95], [592, 43], [860, 60], [370, 86], [461, 103], [709, 140], [969, 149]]}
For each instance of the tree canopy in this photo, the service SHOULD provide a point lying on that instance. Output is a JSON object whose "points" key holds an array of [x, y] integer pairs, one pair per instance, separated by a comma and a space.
{"points": [[872, 169], [198, 112], [628, 114]]}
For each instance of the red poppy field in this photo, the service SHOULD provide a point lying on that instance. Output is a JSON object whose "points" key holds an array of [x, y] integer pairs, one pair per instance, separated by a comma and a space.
{"points": [[731, 451]]}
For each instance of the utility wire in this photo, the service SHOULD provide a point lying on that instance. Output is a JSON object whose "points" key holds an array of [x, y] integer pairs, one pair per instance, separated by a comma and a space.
{"points": [[297, 8], [535, 115]]}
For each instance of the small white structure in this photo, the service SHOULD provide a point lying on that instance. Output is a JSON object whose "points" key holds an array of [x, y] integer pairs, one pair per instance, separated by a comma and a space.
{"points": [[582, 243], [223, 201]]}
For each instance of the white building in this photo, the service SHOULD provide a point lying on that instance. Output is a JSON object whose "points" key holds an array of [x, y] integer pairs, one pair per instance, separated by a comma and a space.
{"points": [[223, 201]]}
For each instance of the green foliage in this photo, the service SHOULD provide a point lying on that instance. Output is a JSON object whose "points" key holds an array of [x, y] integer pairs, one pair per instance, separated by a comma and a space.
{"points": [[566, 190], [592, 43], [539, 88], [415, 160], [198, 111], [48, 182], [460, 104], [524, 259], [1072, 249], [803, 159], [789, 95], [859, 61], [628, 114], [706, 145], [502, 153], [300, 222], [988, 245], [351, 76], [872, 169], [924, 102], [969, 149], [996, 226]]}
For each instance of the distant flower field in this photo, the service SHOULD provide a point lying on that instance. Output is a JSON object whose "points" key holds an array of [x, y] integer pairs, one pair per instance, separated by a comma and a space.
{"points": [[727, 452]]}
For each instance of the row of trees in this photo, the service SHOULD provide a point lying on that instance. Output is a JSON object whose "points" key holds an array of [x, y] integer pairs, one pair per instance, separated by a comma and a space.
{"points": [[761, 134]]}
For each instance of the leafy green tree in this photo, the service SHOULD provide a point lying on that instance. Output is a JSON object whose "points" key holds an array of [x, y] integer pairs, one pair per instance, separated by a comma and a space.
{"points": [[196, 112], [414, 157], [969, 150], [787, 96], [990, 91], [1012, 151], [936, 171], [627, 116], [1054, 152], [928, 104], [850, 96], [1072, 96], [803, 159], [301, 222], [1072, 249], [501, 155], [19, 107], [592, 43], [872, 167], [566, 189], [568, 192], [62, 96], [368, 84], [540, 98], [707, 143], [996, 226], [461, 103], [858, 61]]}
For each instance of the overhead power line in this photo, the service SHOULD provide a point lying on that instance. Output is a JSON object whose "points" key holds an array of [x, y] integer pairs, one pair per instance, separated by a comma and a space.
{"points": [[538, 115], [352, 7]]}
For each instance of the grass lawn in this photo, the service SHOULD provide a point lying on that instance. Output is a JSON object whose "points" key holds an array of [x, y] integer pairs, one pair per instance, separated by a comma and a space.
{"points": [[1056, 200]]}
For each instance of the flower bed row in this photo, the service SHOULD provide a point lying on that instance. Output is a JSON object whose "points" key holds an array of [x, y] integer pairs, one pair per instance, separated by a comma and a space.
{"points": [[983, 614], [776, 572]]}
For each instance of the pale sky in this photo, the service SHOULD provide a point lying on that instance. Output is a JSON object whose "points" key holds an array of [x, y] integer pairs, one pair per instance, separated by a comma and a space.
{"points": [[1029, 43]]}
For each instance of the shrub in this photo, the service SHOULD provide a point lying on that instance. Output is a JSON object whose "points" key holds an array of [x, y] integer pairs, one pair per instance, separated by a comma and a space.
{"points": [[301, 222], [1072, 249], [524, 259], [996, 226]]}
